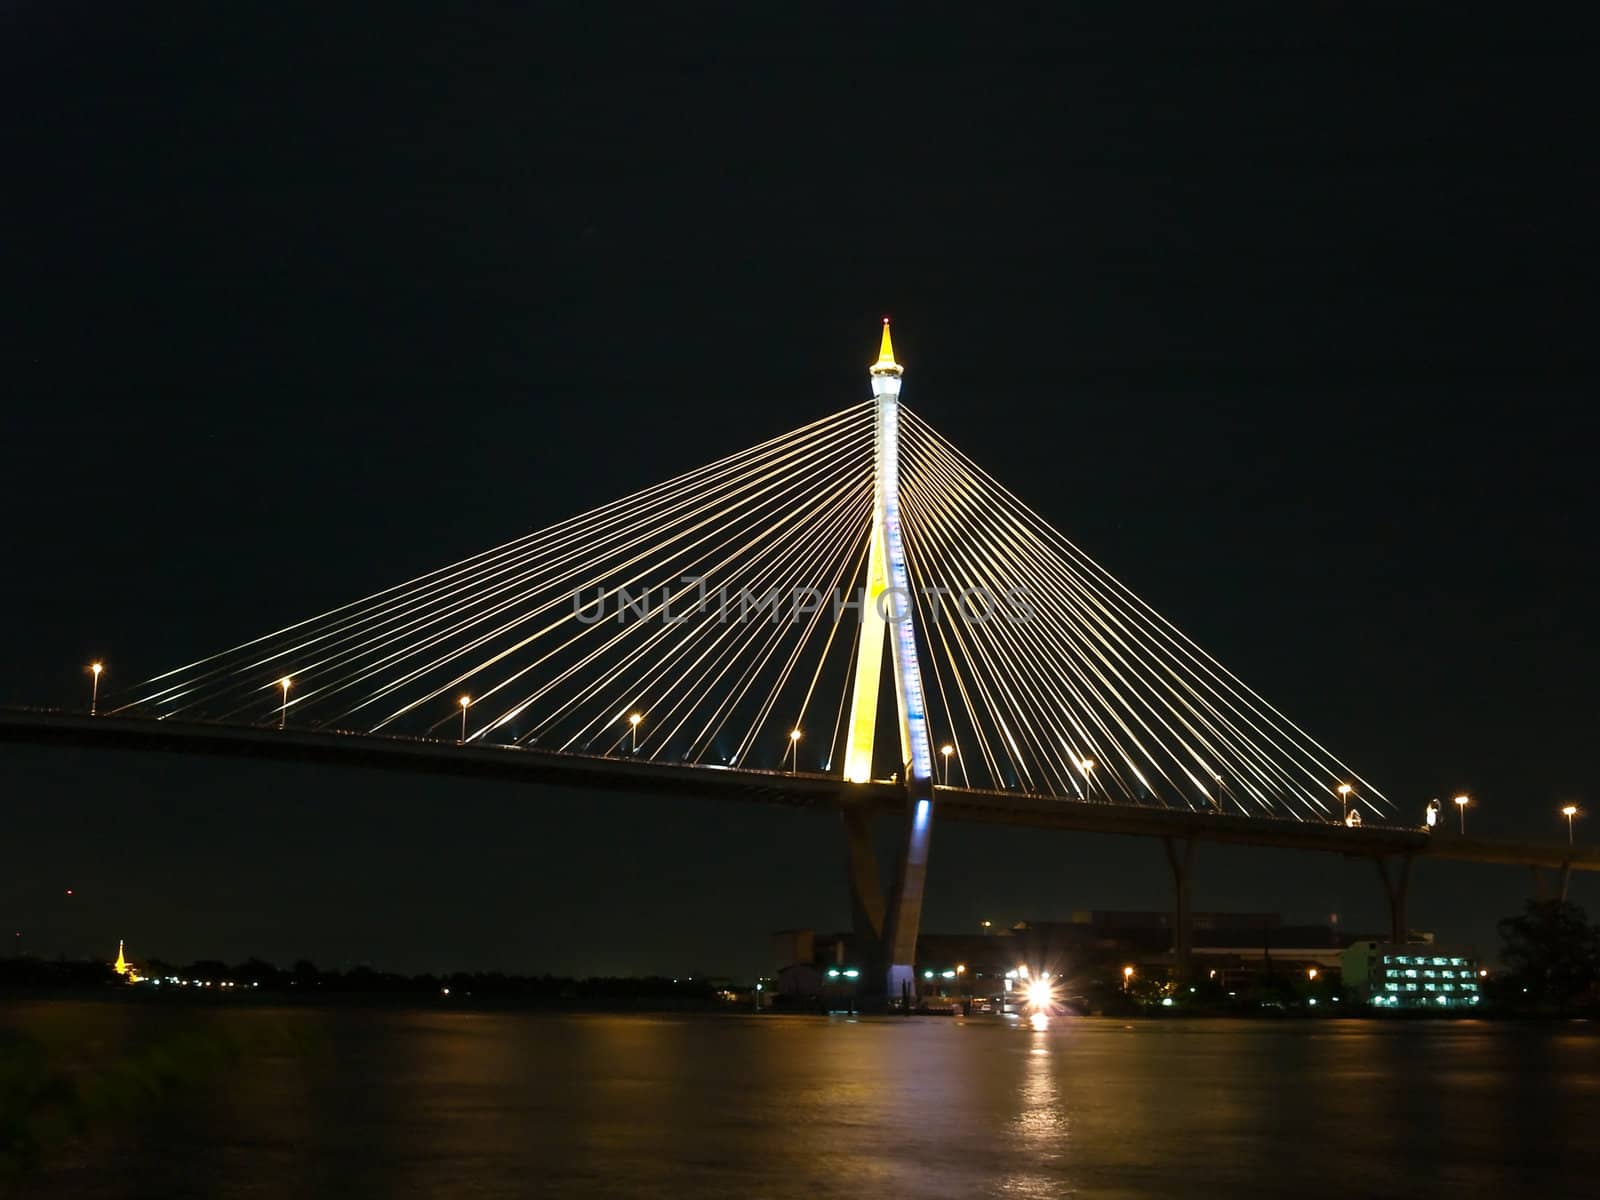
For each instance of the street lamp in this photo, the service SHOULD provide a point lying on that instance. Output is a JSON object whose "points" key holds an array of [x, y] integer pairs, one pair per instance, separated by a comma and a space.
{"points": [[1461, 806], [94, 688], [947, 750], [794, 751], [1311, 974], [1127, 978], [633, 732], [283, 711], [466, 702], [1344, 790], [1086, 765], [1569, 811]]}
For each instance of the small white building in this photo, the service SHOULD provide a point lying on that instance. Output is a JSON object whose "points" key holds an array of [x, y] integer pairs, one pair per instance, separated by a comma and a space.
{"points": [[1416, 975]]}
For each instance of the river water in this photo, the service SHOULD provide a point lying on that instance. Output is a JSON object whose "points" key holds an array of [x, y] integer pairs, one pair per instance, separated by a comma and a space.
{"points": [[362, 1102]]}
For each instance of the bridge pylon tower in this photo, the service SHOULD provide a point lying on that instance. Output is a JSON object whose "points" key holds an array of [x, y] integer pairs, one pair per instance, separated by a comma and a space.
{"points": [[886, 612]]}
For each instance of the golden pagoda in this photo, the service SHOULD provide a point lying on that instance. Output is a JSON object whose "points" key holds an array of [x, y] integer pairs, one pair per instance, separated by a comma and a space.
{"points": [[123, 967], [886, 364]]}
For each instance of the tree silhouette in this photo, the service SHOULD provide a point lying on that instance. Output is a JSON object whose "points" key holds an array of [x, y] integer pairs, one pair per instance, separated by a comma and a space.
{"points": [[1553, 955]]}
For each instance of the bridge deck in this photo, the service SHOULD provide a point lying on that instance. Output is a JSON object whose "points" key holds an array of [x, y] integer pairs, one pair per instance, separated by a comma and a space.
{"points": [[806, 789]]}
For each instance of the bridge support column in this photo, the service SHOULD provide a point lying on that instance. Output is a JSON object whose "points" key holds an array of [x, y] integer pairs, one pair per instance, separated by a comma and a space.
{"points": [[866, 894], [1182, 864], [1541, 892], [904, 915], [1395, 889]]}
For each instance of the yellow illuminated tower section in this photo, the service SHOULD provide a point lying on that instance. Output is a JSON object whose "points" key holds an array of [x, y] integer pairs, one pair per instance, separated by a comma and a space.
{"points": [[887, 610], [123, 967]]}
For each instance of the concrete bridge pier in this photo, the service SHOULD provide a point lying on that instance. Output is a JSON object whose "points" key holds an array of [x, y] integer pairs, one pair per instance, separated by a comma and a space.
{"points": [[903, 913], [1181, 860], [1396, 887], [1563, 876], [885, 925], [866, 894]]}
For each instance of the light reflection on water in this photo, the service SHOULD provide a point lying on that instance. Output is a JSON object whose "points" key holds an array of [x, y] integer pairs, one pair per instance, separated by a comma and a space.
{"points": [[1041, 1122], [380, 1102]]}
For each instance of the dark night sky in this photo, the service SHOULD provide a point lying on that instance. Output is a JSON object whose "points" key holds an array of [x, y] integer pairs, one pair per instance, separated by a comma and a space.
{"points": [[1287, 319]]}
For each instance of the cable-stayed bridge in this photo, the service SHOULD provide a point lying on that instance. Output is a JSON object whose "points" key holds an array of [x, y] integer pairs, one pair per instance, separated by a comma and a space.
{"points": [[752, 628]]}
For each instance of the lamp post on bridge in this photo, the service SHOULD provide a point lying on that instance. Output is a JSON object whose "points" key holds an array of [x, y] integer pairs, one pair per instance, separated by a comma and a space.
{"points": [[1344, 790], [466, 703], [283, 709], [94, 688], [945, 752], [1086, 765], [1461, 807], [1569, 811], [633, 732], [794, 751]]}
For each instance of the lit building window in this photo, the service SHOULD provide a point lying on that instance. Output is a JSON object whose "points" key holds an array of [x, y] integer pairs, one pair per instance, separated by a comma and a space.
{"points": [[1394, 979]]}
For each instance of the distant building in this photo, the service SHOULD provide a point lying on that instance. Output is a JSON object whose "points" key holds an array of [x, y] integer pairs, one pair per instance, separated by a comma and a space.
{"points": [[791, 946], [798, 980], [1412, 975], [1235, 956], [1232, 949]]}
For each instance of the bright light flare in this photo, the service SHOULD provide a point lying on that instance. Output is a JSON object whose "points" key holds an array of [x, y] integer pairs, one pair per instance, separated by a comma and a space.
{"points": [[1041, 995]]}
